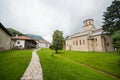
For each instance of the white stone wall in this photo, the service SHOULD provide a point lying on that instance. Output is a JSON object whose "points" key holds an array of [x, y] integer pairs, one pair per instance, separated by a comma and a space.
{"points": [[96, 44], [78, 44], [108, 43]]}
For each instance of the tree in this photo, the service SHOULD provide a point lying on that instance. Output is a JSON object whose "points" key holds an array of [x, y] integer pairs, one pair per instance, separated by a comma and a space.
{"points": [[58, 40], [14, 32], [112, 17], [116, 38]]}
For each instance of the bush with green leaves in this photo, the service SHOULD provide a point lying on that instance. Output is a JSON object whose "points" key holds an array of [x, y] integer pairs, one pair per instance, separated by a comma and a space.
{"points": [[116, 40]]}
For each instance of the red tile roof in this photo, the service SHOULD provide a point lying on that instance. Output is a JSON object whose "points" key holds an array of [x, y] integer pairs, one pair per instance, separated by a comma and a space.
{"points": [[22, 38], [43, 41]]}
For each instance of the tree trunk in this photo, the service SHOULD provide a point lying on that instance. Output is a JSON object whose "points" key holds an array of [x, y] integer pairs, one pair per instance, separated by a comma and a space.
{"points": [[56, 51]]}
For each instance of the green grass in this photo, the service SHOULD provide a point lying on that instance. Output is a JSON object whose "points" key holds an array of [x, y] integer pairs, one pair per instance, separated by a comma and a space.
{"points": [[107, 62], [58, 68], [14, 63]]}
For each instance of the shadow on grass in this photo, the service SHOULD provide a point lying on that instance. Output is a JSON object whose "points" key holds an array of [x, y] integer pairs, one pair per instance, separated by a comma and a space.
{"points": [[59, 52]]}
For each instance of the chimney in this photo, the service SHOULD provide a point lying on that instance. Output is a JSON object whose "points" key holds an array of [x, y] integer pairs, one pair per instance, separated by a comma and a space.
{"points": [[16, 35]]}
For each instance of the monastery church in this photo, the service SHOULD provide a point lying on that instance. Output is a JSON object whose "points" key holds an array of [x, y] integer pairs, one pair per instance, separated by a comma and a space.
{"points": [[90, 39]]}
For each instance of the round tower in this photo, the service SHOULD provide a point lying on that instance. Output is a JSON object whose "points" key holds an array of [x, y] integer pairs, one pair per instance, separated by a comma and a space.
{"points": [[88, 24]]}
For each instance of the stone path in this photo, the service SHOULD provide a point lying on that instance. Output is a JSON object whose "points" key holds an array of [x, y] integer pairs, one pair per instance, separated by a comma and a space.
{"points": [[34, 70]]}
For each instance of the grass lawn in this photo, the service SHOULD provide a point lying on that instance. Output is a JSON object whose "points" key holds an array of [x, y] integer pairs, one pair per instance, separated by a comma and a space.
{"points": [[58, 68], [107, 62], [13, 63]]}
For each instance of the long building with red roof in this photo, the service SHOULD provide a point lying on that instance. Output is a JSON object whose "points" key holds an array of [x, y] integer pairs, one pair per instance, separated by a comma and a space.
{"points": [[24, 42]]}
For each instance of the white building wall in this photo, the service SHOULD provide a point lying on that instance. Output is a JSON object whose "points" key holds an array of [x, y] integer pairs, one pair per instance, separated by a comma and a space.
{"points": [[20, 43], [48, 45], [44, 45]]}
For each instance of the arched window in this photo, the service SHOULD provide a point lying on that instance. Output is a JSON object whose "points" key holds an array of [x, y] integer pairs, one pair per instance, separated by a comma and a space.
{"points": [[107, 43], [96, 39], [80, 42], [76, 42], [86, 23], [83, 41], [89, 22], [91, 44]]}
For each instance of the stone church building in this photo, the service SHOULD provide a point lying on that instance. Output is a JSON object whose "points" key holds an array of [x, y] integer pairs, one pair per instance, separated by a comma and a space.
{"points": [[90, 39]]}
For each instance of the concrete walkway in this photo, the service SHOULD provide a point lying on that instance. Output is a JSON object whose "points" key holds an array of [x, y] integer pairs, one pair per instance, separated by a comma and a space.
{"points": [[34, 70]]}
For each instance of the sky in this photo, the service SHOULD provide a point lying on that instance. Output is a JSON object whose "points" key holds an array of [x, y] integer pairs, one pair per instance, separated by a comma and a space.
{"points": [[43, 17]]}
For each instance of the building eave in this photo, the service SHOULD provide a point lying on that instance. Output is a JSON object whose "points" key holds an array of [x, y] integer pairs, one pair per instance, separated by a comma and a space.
{"points": [[76, 37], [4, 29]]}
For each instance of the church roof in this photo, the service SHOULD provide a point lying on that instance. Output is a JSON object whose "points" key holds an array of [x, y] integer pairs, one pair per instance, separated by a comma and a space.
{"points": [[96, 33], [87, 20], [78, 34], [88, 30], [84, 33]]}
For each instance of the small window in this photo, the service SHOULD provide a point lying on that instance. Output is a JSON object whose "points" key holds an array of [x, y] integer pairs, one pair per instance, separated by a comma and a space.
{"points": [[107, 43], [76, 42], [86, 23], [89, 22], [20, 45], [83, 41], [91, 44], [96, 39], [18, 42], [80, 42]]}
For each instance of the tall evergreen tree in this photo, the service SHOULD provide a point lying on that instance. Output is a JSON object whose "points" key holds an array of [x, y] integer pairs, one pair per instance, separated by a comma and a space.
{"points": [[58, 40], [112, 17]]}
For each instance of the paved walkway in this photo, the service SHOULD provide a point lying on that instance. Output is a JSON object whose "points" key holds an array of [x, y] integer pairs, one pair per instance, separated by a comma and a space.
{"points": [[34, 70]]}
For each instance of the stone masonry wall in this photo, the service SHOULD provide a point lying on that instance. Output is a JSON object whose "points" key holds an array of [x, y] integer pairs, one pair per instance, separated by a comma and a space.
{"points": [[5, 41]]}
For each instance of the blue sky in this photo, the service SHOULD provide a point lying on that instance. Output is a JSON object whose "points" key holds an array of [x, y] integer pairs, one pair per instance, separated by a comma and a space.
{"points": [[42, 17]]}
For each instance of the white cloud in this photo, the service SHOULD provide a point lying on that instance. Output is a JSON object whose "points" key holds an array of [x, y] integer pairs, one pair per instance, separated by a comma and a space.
{"points": [[42, 17]]}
